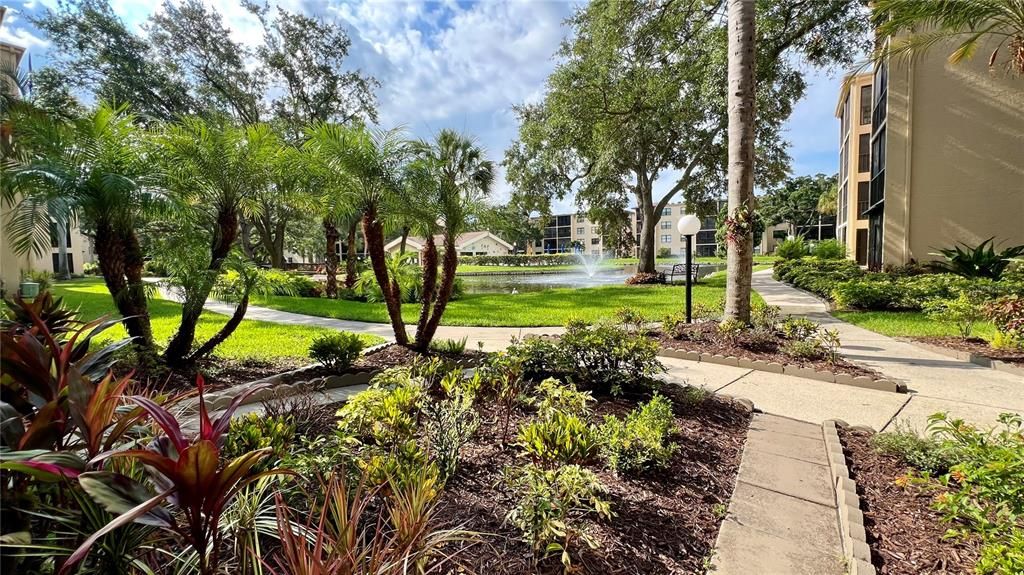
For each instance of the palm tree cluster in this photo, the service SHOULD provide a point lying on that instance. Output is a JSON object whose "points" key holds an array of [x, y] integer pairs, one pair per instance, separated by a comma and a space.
{"points": [[198, 181]]}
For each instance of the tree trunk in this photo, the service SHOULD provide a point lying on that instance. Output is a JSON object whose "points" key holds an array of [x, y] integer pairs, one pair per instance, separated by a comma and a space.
{"points": [[429, 263], [245, 234], [373, 232], [277, 254], [449, 263], [115, 256], [739, 263], [331, 260], [405, 236], [646, 253], [350, 256], [225, 331], [224, 236], [62, 250]]}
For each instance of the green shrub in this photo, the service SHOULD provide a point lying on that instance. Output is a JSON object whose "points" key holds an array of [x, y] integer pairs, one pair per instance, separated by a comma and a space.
{"points": [[553, 396], [645, 278], [336, 350], [539, 357], [816, 275], [961, 312], [631, 319], [664, 253], [1007, 313], [257, 431], [861, 294], [521, 260], [397, 466], [607, 358], [731, 330], [386, 413], [802, 349], [828, 342], [91, 269], [830, 250], [450, 423], [156, 268], [765, 317], [641, 441], [799, 328], [504, 379], [922, 453], [560, 439], [791, 249], [449, 346], [986, 488], [552, 504]]}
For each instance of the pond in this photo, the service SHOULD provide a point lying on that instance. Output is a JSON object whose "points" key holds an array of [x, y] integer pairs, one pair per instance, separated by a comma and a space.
{"points": [[533, 282]]}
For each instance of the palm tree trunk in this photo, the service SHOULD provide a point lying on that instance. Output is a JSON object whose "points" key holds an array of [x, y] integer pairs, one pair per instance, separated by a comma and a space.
{"points": [[62, 250], [405, 236], [373, 233], [449, 263], [225, 331], [331, 260], [739, 263], [120, 262], [350, 256], [224, 237], [429, 263]]}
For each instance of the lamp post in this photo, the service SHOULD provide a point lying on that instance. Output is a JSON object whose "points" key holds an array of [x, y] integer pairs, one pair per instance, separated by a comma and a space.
{"points": [[688, 226]]}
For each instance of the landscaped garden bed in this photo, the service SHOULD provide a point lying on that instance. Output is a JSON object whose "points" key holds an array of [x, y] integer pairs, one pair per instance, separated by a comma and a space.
{"points": [[794, 341], [977, 347], [946, 503], [550, 456]]}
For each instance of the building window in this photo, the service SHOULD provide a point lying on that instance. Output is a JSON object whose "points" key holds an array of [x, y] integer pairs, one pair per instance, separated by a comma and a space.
{"points": [[595, 231], [865, 105], [666, 211], [863, 202], [581, 219], [53, 235], [581, 231], [595, 241], [666, 239], [864, 153], [666, 224]]}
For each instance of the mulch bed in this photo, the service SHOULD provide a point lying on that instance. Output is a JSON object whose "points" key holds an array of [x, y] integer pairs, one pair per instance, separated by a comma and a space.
{"points": [[904, 532], [665, 521], [707, 342], [978, 346], [218, 373]]}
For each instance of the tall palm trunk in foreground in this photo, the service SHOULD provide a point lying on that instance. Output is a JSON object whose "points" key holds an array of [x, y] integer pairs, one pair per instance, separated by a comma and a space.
{"points": [[739, 224], [373, 231], [331, 259], [350, 255]]}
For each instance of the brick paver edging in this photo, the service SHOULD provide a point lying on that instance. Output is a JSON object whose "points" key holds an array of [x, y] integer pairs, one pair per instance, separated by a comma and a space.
{"points": [[969, 356], [793, 370], [851, 517]]}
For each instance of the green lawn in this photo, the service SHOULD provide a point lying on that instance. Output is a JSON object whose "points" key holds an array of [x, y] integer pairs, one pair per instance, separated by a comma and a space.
{"points": [[908, 324], [252, 340], [544, 308]]}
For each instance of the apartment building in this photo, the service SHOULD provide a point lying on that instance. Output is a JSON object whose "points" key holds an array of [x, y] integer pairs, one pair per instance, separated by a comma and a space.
{"points": [[946, 158], [854, 114], [79, 248], [572, 232]]}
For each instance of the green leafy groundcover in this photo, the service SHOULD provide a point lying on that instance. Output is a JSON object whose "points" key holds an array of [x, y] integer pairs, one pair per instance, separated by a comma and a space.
{"points": [[252, 340], [552, 307]]}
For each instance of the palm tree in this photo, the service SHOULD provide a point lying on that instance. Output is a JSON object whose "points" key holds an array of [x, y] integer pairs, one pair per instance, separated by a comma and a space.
{"points": [[455, 177], [366, 167], [740, 222], [93, 169], [912, 27], [215, 171]]}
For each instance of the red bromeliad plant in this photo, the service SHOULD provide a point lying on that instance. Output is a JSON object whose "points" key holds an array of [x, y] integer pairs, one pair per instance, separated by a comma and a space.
{"points": [[186, 472]]}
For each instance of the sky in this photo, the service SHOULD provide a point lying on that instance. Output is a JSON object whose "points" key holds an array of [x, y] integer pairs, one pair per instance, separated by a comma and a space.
{"points": [[462, 65]]}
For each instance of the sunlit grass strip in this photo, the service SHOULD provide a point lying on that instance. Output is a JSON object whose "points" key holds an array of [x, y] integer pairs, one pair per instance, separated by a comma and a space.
{"points": [[252, 340]]}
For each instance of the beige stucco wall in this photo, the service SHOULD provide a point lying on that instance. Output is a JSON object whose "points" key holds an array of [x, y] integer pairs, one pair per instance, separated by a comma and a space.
{"points": [[847, 214], [954, 156]]}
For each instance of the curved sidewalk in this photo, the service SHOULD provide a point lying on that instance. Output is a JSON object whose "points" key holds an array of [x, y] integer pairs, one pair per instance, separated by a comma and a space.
{"points": [[935, 382]]}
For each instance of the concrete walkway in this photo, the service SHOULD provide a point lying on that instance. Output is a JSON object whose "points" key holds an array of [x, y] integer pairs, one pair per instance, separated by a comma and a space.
{"points": [[936, 382], [782, 516]]}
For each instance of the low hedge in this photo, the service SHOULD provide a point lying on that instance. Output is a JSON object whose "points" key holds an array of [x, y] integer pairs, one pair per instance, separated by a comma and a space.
{"points": [[521, 260], [848, 286]]}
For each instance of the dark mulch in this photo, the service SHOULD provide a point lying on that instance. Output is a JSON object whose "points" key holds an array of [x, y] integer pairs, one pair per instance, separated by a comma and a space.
{"points": [[665, 522], [705, 341], [218, 373], [978, 346], [904, 532]]}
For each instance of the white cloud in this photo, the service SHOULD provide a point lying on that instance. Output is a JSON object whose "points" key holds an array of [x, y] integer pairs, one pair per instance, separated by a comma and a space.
{"points": [[16, 30]]}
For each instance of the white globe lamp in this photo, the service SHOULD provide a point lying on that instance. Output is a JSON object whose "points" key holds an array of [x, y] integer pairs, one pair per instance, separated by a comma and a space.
{"points": [[688, 226]]}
